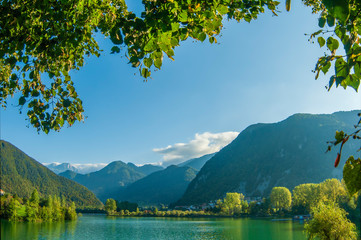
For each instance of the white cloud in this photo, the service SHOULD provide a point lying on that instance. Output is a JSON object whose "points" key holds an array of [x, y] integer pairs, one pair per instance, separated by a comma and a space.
{"points": [[202, 144]]}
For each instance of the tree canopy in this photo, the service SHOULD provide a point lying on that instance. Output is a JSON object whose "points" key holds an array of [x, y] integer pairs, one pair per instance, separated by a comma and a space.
{"points": [[329, 222], [42, 42], [232, 204], [281, 197]]}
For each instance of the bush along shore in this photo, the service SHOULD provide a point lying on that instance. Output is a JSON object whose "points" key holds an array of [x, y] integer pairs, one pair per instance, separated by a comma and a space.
{"points": [[36, 209]]}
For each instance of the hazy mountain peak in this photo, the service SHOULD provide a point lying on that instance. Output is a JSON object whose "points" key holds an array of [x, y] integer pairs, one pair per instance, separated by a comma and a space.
{"points": [[82, 168]]}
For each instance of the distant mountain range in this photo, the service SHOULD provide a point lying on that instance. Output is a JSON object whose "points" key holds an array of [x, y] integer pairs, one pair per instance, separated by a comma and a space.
{"points": [[21, 174], [161, 187], [85, 168], [147, 184], [78, 167], [107, 182], [287, 153]]}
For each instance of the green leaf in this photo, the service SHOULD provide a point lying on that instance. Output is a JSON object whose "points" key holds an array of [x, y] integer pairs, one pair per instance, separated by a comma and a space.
{"points": [[351, 80], [222, 9], [115, 49], [175, 26], [326, 67], [14, 76], [339, 9], [148, 62], [116, 37], [321, 22], [66, 103], [145, 73], [288, 5], [321, 41], [339, 136], [340, 32], [352, 175], [157, 59], [341, 68], [158, 63], [164, 47], [149, 46], [332, 44], [183, 16], [330, 21], [357, 67], [22, 100], [174, 42], [202, 36], [331, 82]]}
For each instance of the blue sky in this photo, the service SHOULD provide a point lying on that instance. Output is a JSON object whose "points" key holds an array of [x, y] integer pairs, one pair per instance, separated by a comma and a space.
{"points": [[260, 72]]}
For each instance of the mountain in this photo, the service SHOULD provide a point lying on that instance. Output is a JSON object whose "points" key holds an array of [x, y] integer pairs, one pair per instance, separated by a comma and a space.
{"points": [[62, 167], [82, 168], [107, 181], [145, 169], [197, 163], [165, 186], [21, 174], [287, 153]]}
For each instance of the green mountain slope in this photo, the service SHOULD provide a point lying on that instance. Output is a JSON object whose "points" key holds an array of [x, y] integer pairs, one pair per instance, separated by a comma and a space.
{"points": [[164, 186], [20, 174], [106, 182], [197, 163], [286, 153]]}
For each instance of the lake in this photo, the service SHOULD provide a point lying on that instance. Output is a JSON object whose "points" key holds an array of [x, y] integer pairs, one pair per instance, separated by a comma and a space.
{"points": [[100, 227]]}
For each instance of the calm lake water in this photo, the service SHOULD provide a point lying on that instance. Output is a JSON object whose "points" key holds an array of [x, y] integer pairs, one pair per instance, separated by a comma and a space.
{"points": [[100, 227]]}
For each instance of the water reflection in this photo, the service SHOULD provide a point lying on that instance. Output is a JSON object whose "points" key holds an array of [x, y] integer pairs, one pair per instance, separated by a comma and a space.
{"points": [[22, 230], [91, 227]]}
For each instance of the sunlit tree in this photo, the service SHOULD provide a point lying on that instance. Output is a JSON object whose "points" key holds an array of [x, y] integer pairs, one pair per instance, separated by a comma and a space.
{"points": [[110, 206], [281, 198], [329, 222]]}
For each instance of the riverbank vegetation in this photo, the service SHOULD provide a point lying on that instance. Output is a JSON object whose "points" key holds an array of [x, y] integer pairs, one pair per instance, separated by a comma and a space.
{"points": [[328, 205], [36, 209], [304, 200]]}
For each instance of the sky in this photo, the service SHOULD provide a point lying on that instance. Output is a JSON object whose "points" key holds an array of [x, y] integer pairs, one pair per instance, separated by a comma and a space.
{"points": [[258, 72]]}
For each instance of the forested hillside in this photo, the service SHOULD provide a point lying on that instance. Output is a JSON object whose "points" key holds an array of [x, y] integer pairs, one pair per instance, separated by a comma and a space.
{"points": [[287, 153], [21, 174]]}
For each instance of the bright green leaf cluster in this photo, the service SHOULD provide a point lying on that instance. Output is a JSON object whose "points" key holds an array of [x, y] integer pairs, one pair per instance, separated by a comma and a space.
{"points": [[352, 175], [345, 23], [42, 41]]}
